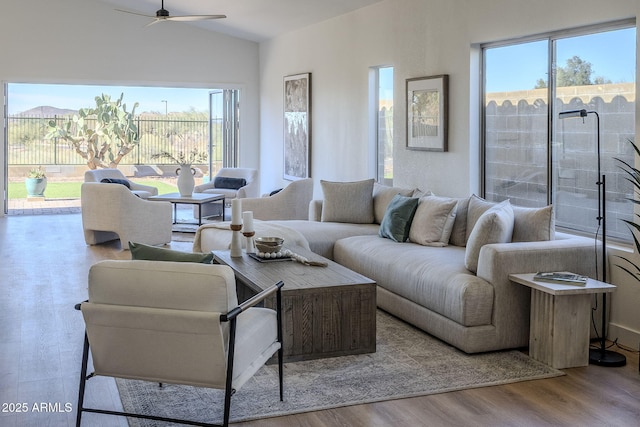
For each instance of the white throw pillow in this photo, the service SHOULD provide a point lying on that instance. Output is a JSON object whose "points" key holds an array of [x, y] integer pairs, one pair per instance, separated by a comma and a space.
{"points": [[477, 206], [348, 202], [433, 221], [494, 226]]}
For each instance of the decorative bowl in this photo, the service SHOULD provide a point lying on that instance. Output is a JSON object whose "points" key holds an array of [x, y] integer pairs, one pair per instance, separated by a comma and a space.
{"points": [[269, 244]]}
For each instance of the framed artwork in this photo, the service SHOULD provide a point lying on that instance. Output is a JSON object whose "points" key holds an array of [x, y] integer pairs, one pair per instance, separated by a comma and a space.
{"points": [[427, 113], [297, 126]]}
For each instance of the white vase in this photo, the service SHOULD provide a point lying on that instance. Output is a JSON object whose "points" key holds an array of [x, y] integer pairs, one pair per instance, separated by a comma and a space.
{"points": [[185, 180]]}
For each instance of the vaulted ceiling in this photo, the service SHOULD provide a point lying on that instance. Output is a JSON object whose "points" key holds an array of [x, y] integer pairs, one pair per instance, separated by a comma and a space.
{"points": [[255, 20]]}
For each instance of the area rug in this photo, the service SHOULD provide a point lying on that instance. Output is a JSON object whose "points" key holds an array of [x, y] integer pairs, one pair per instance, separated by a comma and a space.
{"points": [[407, 363]]}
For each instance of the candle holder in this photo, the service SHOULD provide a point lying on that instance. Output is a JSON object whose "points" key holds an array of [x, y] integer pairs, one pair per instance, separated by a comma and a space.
{"points": [[250, 246], [236, 240]]}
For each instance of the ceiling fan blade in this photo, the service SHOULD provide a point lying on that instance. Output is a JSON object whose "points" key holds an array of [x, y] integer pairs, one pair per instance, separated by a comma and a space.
{"points": [[155, 21], [135, 13], [195, 17]]}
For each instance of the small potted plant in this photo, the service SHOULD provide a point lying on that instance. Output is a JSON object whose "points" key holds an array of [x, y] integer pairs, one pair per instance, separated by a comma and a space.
{"points": [[36, 182]]}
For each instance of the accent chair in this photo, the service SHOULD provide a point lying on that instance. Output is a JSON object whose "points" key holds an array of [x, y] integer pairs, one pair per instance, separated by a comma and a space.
{"points": [[140, 190], [292, 202], [112, 211], [179, 323], [233, 183]]}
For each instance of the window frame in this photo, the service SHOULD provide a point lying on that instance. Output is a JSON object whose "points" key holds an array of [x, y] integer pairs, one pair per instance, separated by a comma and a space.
{"points": [[551, 38]]}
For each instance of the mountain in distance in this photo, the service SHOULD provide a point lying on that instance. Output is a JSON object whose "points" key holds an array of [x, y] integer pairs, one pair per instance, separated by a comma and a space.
{"points": [[45, 111]]}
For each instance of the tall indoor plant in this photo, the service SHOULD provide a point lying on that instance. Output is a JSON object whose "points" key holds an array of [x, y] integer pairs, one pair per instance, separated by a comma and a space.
{"points": [[633, 176]]}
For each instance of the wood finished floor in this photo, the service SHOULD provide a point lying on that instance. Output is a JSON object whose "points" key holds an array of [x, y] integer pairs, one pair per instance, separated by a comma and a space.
{"points": [[43, 268]]}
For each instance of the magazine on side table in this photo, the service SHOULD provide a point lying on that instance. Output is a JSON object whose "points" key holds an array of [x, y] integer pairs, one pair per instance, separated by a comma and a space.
{"points": [[561, 278]]}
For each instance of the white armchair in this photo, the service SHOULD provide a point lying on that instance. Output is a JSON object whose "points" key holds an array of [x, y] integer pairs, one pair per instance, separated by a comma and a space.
{"points": [[292, 202], [141, 190], [141, 325], [251, 188], [112, 211]]}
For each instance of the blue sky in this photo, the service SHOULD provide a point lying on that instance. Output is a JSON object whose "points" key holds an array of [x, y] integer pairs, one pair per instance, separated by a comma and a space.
{"points": [[23, 97], [518, 67]]}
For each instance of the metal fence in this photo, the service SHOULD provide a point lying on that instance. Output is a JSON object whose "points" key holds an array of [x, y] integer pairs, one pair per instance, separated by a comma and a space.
{"points": [[26, 143]]}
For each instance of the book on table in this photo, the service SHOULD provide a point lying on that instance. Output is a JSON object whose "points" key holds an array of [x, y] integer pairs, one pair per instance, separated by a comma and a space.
{"points": [[563, 278]]}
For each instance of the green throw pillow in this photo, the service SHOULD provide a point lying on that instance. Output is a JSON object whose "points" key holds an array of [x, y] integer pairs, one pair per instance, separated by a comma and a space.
{"points": [[397, 219], [154, 253]]}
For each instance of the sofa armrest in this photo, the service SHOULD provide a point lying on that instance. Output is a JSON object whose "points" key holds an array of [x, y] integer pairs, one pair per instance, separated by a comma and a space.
{"points": [[512, 301], [575, 254]]}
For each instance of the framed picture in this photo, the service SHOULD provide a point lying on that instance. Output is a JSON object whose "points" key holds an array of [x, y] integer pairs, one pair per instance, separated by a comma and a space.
{"points": [[297, 126], [427, 113]]}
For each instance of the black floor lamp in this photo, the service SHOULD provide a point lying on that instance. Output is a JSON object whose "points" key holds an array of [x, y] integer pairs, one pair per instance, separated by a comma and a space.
{"points": [[600, 356]]}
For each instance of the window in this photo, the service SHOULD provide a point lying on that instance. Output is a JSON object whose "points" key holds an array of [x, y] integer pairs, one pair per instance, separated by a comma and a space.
{"points": [[533, 158], [383, 119]]}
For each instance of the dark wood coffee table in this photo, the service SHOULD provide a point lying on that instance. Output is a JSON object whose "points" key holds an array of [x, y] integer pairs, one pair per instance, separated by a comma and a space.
{"points": [[327, 311]]}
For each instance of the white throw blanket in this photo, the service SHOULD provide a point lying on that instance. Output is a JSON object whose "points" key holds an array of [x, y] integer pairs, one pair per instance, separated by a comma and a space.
{"points": [[217, 236]]}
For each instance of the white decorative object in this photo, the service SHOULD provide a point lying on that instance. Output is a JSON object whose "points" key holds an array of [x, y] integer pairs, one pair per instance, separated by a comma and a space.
{"points": [[236, 240], [236, 211], [249, 232], [236, 226], [247, 221], [186, 183]]}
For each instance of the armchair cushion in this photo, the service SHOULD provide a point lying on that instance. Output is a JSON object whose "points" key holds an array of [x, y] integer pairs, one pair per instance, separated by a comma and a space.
{"points": [[153, 253], [229, 182], [116, 176], [124, 182]]}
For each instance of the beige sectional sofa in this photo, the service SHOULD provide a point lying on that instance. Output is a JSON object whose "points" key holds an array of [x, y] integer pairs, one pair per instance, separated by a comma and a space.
{"points": [[458, 290]]}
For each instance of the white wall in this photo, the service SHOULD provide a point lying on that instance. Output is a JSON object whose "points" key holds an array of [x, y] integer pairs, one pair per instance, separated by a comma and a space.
{"points": [[418, 38], [87, 42]]}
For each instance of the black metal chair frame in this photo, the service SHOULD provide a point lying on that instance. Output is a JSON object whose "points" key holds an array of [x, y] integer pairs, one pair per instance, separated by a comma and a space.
{"points": [[230, 317]]}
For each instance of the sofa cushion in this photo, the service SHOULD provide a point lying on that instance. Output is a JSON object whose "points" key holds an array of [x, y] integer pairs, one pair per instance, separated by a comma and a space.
{"points": [[348, 201], [154, 253], [433, 221], [382, 195], [533, 224], [434, 278], [530, 224], [397, 220], [229, 182], [477, 206], [495, 225], [459, 230], [322, 236]]}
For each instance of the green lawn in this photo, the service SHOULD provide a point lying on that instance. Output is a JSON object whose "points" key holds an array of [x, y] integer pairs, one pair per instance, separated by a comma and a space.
{"points": [[71, 190]]}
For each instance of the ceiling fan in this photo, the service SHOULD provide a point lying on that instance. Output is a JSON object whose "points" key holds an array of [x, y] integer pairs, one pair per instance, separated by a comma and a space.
{"points": [[163, 15]]}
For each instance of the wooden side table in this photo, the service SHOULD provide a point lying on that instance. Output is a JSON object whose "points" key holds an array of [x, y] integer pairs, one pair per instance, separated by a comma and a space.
{"points": [[560, 320]]}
